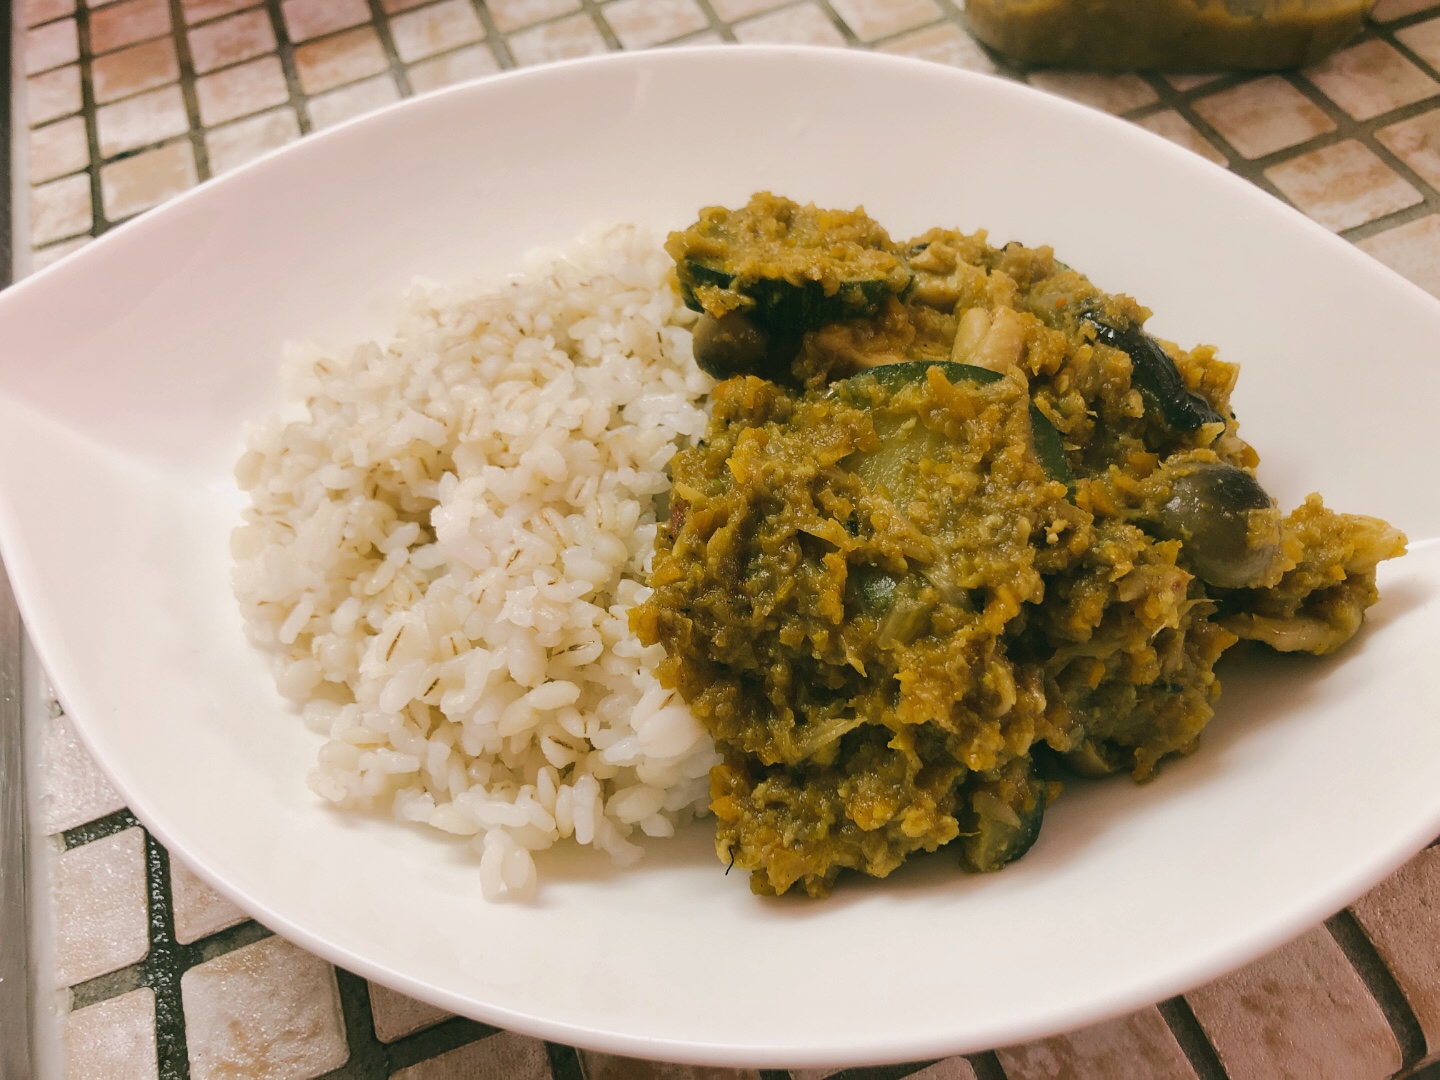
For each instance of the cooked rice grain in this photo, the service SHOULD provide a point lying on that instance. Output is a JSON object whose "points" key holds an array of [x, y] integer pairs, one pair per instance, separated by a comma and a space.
{"points": [[446, 537]]}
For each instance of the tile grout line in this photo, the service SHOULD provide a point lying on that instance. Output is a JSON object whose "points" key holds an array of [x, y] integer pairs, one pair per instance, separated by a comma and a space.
{"points": [[162, 977], [565, 1063], [1363, 957], [285, 52], [368, 1059], [1192, 1038], [91, 112], [398, 72], [986, 1066], [180, 38], [495, 41]]}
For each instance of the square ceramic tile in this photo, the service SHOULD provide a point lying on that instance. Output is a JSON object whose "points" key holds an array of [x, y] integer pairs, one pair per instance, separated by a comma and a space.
{"points": [[1371, 78], [435, 28], [355, 100], [1424, 40], [396, 1015], [60, 209], [269, 1009], [35, 12], [462, 64], [1171, 125], [238, 91], [100, 905], [50, 46], [305, 19], [1401, 917], [1390, 10], [234, 144], [228, 41], [871, 20], [564, 39], [803, 24], [39, 260], [944, 44], [610, 1067], [735, 10], [1261, 117], [642, 23], [198, 11], [137, 183], [1417, 143], [339, 59], [124, 24], [199, 910], [134, 70], [58, 149], [53, 94], [1114, 93], [1135, 1047], [142, 120], [113, 1040], [515, 14], [512, 1057], [73, 790], [1342, 186]]}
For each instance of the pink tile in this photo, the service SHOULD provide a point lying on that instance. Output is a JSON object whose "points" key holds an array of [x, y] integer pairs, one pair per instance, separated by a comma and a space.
{"points": [[803, 24], [124, 24], [305, 19], [640, 24], [35, 12], [1402, 915], [39, 260], [1371, 78], [53, 94], [397, 1015], [472, 63], [228, 41], [112, 1040], [1135, 1047], [238, 91], [1390, 10], [435, 28], [100, 906], [515, 14], [58, 149], [513, 1057], [198, 11], [943, 44], [60, 209], [564, 39], [1413, 251], [1300, 1013], [1424, 40], [234, 144], [735, 10], [1261, 117], [138, 121], [73, 790], [137, 183], [1111, 93], [1171, 125], [339, 59], [871, 20], [199, 910], [134, 70], [1417, 143], [50, 46], [1343, 185], [354, 100]]}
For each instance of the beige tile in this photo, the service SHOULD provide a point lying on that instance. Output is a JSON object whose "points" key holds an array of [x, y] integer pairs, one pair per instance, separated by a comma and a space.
{"points": [[145, 180], [53, 94], [101, 913], [60, 209], [390, 7], [1402, 915], [238, 91], [1261, 117], [1177, 129], [1417, 143], [228, 41], [58, 149], [640, 24], [355, 100], [50, 46], [735, 10], [505, 1056], [234, 144], [73, 790], [1390, 10], [35, 12], [1134, 1047], [124, 24], [1112, 93], [516, 14], [305, 19], [199, 910], [803, 24], [1342, 186], [113, 1040], [198, 11], [339, 59], [564, 39], [1371, 78], [435, 28], [269, 1009], [871, 20], [397, 1015], [472, 63], [141, 120], [1300, 1012], [134, 70], [39, 260], [610, 1067], [1424, 40], [944, 44], [1185, 82]]}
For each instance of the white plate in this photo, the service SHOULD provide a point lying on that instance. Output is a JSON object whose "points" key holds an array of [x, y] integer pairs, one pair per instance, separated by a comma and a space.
{"points": [[128, 369]]}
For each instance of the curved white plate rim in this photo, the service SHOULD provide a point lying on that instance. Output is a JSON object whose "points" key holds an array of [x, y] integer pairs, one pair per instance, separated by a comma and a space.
{"points": [[71, 684]]}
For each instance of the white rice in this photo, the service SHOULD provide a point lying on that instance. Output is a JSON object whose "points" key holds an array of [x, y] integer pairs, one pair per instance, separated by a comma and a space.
{"points": [[446, 537]]}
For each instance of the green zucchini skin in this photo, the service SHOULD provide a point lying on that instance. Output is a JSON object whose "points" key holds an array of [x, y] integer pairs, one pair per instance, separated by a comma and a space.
{"points": [[782, 307], [1000, 817]]}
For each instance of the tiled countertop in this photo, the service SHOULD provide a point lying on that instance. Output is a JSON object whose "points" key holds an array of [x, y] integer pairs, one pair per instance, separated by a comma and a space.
{"points": [[145, 972]]}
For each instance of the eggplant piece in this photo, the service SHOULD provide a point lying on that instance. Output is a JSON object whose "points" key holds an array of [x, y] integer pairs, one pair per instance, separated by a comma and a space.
{"points": [[1227, 524], [1000, 816], [1157, 377], [730, 345], [784, 307]]}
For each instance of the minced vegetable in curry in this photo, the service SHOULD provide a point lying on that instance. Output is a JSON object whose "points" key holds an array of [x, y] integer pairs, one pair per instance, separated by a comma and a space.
{"points": [[959, 525]]}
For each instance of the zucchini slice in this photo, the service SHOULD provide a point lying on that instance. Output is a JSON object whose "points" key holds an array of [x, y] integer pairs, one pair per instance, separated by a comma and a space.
{"points": [[1000, 816]]}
